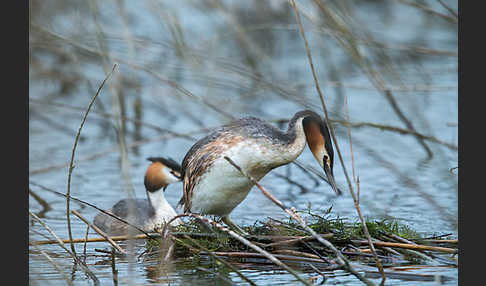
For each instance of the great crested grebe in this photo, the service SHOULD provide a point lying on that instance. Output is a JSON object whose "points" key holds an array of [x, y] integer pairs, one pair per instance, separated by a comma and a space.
{"points": [[213, 186], [150, 213]]}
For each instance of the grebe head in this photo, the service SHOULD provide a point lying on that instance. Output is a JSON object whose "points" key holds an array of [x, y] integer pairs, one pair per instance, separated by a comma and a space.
{"points": [[161, 173], [319, 141]]}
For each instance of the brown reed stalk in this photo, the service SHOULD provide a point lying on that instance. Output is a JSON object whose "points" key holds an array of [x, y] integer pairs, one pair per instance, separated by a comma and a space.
{"points": [[356, 203], [113, 267], [385, 127], [431, 11], [279, 256], [292, 241], [243, 240], [276, 238], [85, 243], [340, 258], [71, 164], [100, 232], [94, 239], [331, 129], [409, 246], [453, 13], [372, 74]]}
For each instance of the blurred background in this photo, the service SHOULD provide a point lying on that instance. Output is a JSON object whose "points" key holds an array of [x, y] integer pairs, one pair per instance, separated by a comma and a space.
{"points": [[387, 69]]}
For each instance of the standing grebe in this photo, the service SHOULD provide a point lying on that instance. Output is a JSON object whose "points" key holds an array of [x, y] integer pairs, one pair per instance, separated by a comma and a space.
{"points": [[213, 186], [150, 213]]}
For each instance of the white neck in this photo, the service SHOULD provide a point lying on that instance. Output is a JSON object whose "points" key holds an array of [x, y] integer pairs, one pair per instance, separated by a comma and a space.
{"points": [[293, 150], [159, 203]]}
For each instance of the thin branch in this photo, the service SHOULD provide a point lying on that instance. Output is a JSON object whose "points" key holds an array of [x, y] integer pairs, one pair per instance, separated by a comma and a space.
{"points": [[449, 9], [356, 204], [71, 164], [430, 11]]}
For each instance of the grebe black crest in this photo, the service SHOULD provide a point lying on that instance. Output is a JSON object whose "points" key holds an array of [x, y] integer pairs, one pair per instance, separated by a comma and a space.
{"points": [[148, 214], [212, 186]]}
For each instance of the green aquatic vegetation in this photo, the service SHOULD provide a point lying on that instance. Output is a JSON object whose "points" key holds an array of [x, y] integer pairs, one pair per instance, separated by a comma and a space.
{"points": [[377, 228], [343, 231]]}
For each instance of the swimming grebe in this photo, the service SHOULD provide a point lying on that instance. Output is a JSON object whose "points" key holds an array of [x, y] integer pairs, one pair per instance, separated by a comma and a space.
{"points": [[150, 213], [213, 186]]}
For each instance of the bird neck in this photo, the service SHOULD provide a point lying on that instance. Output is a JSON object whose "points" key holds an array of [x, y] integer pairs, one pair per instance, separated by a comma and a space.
{"points": [[157, 201], [296, 140]]}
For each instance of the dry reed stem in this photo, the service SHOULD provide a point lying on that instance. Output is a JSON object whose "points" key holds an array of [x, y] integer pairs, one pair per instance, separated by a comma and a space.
{"points": [[63, 246], [279, 256], [340, 258], [409, 246], [85, 243], [113, 268], [309, 56], [387, 128], [95, 239], [100, 232], [276, 238], [425, 256], [292, 241], [356, 203], [373, 75], [455, 241], [296, 253], [243, 240], [431, 11], [71, 164], [449, 9]]}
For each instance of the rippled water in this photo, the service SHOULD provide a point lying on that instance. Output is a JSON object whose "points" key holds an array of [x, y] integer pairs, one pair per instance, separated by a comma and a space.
{"points": [[397, 180]]}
